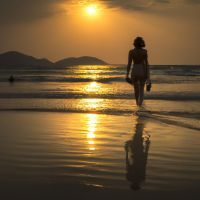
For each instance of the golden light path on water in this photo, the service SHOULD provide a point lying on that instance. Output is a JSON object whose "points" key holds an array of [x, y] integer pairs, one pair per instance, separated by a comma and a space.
{"points": [[92, 126], [93, 104], [92, 118], [92, 87]]}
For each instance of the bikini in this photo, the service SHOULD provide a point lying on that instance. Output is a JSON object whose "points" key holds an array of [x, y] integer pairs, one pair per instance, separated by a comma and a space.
{"points": [[138, 73]]}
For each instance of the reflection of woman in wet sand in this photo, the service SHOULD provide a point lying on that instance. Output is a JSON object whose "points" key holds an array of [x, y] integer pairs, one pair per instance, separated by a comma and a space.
{"points": [[140, 72], [139, 153]]}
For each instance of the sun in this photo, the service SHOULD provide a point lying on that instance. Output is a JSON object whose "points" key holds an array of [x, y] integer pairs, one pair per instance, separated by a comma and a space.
{"points": [[91, 9]]}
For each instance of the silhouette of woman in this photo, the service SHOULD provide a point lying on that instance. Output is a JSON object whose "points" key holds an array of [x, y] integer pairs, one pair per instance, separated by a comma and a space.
{"points": [[136, 171], [140, 72]]}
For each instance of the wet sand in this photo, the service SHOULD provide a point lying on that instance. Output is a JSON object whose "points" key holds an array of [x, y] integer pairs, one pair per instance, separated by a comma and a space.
{"points": [[55, 155]]}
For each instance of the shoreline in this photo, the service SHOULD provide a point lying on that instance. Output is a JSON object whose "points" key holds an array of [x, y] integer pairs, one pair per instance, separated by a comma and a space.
{"points": [[77, 155]]}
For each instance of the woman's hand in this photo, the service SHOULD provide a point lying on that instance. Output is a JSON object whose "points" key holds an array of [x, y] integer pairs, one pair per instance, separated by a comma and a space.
{"points": [[148, 80]]}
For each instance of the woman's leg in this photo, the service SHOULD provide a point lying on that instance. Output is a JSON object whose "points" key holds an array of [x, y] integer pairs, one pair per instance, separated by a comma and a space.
{"points": [[136, 88], [141, 93]]}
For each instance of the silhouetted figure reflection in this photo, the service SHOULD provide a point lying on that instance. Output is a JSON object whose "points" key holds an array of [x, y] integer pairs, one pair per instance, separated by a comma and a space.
{"points": [[138, 146]]}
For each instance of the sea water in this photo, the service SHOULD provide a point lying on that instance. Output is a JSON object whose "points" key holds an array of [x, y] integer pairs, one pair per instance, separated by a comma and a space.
{"points": [[94, 88], [79, 123], [100, 89]]}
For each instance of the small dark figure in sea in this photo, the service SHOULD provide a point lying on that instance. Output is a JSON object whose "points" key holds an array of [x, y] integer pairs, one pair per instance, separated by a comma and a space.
{"points": [[138, 147], [11, 79], [140, 72]]}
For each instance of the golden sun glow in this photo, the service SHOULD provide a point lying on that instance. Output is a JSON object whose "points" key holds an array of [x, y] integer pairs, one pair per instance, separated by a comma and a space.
{"points": [[91, 9]]}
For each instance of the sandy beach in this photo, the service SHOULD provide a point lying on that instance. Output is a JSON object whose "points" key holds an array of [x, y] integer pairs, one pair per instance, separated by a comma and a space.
{"points": [[55, 155]]}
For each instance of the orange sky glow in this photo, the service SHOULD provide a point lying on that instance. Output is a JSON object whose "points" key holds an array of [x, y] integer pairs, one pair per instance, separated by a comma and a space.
{"points": [[104, 29]]}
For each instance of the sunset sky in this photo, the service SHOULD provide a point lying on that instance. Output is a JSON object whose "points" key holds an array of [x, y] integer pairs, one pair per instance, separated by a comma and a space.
{"points": [[57, 29]]}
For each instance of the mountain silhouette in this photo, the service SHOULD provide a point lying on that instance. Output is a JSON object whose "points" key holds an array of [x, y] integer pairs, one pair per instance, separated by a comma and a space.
{"points": [[15, 58], [85, 60]]}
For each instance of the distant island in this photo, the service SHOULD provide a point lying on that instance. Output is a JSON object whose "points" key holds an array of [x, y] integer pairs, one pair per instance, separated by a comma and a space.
{"points": [[85, 60], [14, 58]]}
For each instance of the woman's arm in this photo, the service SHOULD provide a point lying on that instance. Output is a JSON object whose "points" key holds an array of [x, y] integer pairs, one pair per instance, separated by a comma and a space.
{"points": [[148, 68], [129, 64]]}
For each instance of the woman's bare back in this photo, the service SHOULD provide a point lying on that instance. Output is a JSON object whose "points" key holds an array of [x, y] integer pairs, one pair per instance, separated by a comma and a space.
{"points": [[138, 55]]}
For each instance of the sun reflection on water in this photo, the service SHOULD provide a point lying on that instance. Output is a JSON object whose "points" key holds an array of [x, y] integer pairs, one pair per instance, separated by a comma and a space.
{"points": [[92, 103], [95, 89], [91, 126], [92, 87]]}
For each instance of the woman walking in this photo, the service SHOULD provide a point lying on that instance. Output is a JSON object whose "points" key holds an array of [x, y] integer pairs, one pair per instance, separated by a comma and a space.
{"points": [[140, 72]]}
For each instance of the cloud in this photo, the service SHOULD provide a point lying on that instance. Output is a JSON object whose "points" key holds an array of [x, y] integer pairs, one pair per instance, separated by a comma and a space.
{"points": [[135, 5], [14, 11], [193, 1], [127, 4], [162, 1], [17, 11]]}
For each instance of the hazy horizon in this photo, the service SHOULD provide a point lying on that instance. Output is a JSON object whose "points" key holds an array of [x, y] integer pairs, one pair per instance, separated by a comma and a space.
{"points": [[59, 29]]}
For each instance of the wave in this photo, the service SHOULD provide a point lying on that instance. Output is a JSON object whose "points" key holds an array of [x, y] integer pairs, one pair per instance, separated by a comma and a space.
{"points": [[61, 95], [64, 79], [156, 79], [182, 119], [102, 74]]}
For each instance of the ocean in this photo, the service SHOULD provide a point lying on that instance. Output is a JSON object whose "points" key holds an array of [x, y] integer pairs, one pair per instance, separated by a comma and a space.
{"points": [[80, 126], [99, 89]]}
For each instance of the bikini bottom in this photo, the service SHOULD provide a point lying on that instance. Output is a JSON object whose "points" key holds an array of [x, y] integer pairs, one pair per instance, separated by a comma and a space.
{"points": [[138, 74]]}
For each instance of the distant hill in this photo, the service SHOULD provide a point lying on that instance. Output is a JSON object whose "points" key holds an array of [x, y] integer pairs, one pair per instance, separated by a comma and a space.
{"points": [[85, 60], [15, 58]]}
